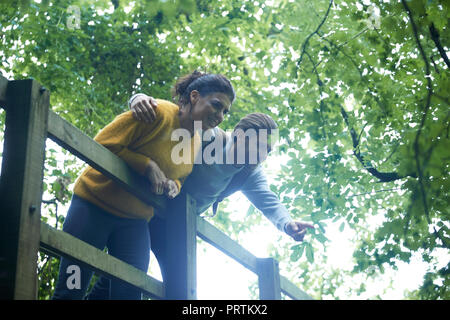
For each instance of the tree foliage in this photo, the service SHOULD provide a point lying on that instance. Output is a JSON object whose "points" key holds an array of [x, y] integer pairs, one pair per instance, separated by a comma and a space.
{"points": [[359, 90]]}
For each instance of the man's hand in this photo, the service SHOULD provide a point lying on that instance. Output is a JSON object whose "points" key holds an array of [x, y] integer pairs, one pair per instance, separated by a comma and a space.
{"points": [[171, 189], [144, 108], [156, 177], [297, 229]]}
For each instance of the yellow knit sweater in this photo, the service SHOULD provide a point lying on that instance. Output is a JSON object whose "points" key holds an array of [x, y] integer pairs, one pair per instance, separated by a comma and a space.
{"points": [[136, 143]]}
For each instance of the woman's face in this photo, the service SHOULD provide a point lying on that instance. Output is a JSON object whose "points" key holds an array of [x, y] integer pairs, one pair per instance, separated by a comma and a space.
{"points": [[209, 109]]}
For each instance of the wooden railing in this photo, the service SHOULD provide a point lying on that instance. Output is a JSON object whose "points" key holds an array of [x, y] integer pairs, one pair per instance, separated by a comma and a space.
{"points": [[28, 124]]}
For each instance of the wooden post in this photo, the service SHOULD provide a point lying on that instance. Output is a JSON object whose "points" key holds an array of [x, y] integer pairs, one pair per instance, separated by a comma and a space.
{"points": [[21, 188], [269, 279], [181, 245], [158, 242]]}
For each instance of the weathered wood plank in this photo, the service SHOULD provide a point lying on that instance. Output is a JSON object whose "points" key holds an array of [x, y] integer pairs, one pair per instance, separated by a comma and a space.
{"points": [[269, 279], [221, 241], [291, 290], [181, 245], [61, 243], [21, 188], [100, 158]]}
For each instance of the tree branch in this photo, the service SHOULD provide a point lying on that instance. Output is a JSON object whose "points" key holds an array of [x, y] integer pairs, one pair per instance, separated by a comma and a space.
{"points": [[392, 153], [425, 111], [363, 78], [319, 81], [422, 123], [362, 130], [354, 37], [305, 44], [429, 151], [381, 176], [55, 202], [434, 65], [435, 36], [320, 84], [372, 192], [115, 3]]}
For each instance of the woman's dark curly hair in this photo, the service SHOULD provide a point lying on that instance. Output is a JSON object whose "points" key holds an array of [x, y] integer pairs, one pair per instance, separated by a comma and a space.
{"points": [[204, 83]]}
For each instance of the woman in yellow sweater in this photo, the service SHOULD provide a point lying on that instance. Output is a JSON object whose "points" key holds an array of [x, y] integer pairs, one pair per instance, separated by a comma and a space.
{"points": [[104, 214]]}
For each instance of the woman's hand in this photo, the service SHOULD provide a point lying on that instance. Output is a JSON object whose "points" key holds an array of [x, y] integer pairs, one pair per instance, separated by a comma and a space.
{"points": [[171, 189], [143, 108], [156, 177]]}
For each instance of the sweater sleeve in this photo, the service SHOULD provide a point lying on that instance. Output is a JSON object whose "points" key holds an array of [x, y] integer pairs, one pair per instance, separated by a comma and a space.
{"points": [[119, 135], [256, 189]]}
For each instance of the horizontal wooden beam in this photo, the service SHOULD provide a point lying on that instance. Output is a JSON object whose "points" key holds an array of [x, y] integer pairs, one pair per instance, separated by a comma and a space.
{"points": [[103, 160], [221, 241], [57, 242], [291, 290]]}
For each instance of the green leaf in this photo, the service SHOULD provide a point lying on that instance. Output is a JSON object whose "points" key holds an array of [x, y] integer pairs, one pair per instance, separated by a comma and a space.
{"points": [[297, 252], [321, 238], [309, 253]]}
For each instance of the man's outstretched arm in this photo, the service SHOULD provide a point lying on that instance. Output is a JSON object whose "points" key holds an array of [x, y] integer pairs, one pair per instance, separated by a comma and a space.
{"points": [[256, 189]]}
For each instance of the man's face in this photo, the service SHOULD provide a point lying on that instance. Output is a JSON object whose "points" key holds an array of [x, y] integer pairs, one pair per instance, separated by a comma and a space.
{"points": [[251, 147]]}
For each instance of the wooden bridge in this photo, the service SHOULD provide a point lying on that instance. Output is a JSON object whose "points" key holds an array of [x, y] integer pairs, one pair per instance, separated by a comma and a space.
{"points": [[29, 122]]}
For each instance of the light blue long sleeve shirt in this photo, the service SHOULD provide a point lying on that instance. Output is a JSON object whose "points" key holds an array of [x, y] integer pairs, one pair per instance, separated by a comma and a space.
{"points": [[209, 184], [257, 190], [207, 181]]}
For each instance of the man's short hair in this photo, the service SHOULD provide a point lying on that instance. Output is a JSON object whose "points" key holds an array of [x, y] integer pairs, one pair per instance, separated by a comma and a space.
{"points": [[256, 121]]}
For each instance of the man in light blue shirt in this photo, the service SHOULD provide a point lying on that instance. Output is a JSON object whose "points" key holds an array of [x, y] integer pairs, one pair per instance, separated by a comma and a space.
{"points": [[209, 184]]}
